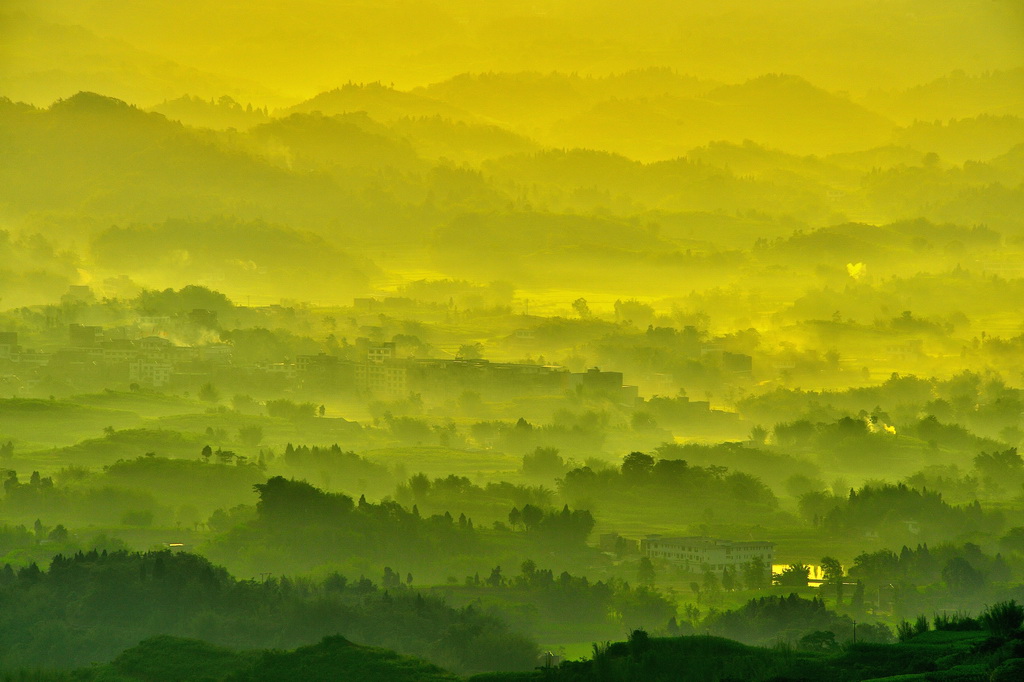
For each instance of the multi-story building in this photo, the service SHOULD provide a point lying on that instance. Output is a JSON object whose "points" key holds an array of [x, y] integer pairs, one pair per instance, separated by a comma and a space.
{"points": [[383, 374], [699, 554], [389, 379], [85, 336], [594, 382], [155, 373], [8, 345]]}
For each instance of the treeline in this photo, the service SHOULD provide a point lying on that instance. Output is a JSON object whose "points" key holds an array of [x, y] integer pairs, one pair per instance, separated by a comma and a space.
{"points": [[584, 433], [450, 491], [924, 408], [642, 477], [299, 527], [174, 658], [766, 620], [144, 491], [544, 603], [90, 606], [896, 513], [38, 498], [336, 468]]}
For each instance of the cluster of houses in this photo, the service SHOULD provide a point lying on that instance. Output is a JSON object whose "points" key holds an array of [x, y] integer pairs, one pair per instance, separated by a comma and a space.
{"points": [[151, 361], [384, 374], [156, 362]]}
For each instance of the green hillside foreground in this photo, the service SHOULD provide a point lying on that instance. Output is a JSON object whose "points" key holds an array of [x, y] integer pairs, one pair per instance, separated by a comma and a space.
{"points": [[936, 656], [949, 656], [174, 659]]}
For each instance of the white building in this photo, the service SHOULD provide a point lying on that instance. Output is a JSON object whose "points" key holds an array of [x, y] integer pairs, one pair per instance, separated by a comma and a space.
{"points": [[699, 554], [150, 372]]}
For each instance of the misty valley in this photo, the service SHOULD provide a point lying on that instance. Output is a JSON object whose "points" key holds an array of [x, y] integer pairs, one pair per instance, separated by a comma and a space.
{"points": [[579, 352]]}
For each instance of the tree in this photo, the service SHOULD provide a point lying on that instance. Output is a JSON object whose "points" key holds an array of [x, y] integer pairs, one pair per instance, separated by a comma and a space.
{"points": [[710, 585], [495, 579], [857, 602], [283, 500], [543, 462], [251, 435], [961, 577], [643, 421], [794, 575], [391, 579], [645, 572], [208, 393], [59, 534], [639, 642], [1003, 619], [756, 574], [637, 466], [876, 567], [207, 452], [1014, 539], [531, 516], [832, 574], [419, 485], [515, 517], [819, 640], [470, 351], [728, 579], [581, 308]]}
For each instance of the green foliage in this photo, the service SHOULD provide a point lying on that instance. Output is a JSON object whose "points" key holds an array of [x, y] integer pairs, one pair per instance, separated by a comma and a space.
{"points": [[541, 602], [954, 622], [703, 658], [300, 527], [335, 656], [104, 504], [130, 443], [1003, 618], [887, 507], [641, 479], [794, 575], [342, 467], [204, 485], [283, 408], [767, 620], [209, 393], [961, 577], [543, 463], [645, 572], [283, 502], [120, 598], [492, 499], [174, 659], [185, 300]]}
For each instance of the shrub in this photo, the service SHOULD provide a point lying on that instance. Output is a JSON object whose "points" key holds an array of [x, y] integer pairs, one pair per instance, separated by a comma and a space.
{"points": [[1003, 619]]}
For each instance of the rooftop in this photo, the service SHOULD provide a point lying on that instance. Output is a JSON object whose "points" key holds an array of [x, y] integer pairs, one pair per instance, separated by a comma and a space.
{"points": [[708, 542]]}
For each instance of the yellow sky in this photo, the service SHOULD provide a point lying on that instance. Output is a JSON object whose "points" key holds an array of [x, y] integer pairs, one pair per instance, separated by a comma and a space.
{"points": [[279, 51]]}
